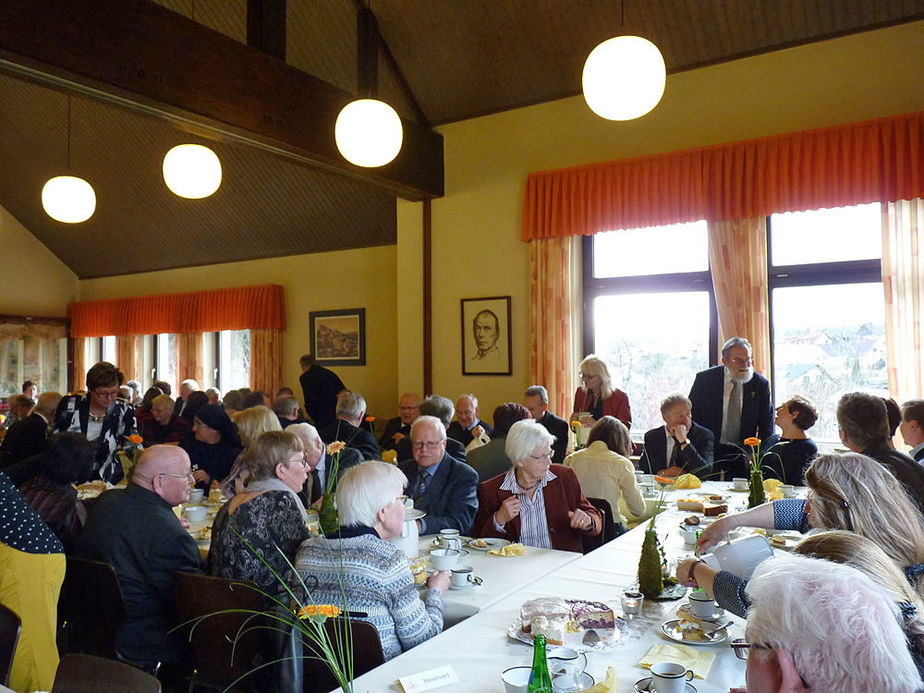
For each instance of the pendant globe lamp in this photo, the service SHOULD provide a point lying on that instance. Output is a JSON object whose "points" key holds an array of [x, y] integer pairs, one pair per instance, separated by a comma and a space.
{"points": [[368, 132], [192, 171], [68, 199], [624, 77]]}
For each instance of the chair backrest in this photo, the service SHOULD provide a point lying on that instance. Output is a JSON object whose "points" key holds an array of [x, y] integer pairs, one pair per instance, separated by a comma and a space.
{"points": [[83, 673], [91, 607], [216, 638], [367, 654], [10, 626], [609, 528]]}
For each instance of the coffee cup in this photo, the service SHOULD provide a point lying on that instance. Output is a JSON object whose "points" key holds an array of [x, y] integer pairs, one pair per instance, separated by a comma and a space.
{"points": [[463, 576], [788, 490], [668, 677], [740, 483], [690, 534], [196, 495], [566, 667], [195, 513], [516, 679], [450, 539], [701, 605], [444, 559]]}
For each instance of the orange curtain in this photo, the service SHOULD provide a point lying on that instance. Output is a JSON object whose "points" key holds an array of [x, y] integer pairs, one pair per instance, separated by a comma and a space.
{"points": [[903, 285], [78, 379], [551, 317], [127, 356], [738, 255], [189, 355], [242, 308], [266, 360], [880, 160]]}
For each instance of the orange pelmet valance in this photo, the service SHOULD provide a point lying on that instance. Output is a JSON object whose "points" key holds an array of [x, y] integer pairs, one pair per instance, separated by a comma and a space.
{"points": [[832, 167], [240, 308]]}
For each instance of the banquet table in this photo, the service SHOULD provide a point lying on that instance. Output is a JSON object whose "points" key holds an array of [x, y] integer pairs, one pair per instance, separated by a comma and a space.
{"points": [[479, 648]]}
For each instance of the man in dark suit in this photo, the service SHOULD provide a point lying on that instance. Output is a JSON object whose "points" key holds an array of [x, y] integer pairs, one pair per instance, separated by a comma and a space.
{"points": [[27, 436], [537, 401], [348, 427], [679, 445], [863, 424], [440, 407], [320, 388], [441, 486], [467, 425], [319, 463], [399, 427], [912, 427], [733, 402]]}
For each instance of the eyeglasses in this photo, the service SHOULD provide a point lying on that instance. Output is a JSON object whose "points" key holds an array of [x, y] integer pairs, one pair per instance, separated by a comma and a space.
{"points": [[301, 459], [106, 394], [742, 647], [428, 444], [741, 362], [187, 475], [400, 500], [543, 457], [587, 376]]}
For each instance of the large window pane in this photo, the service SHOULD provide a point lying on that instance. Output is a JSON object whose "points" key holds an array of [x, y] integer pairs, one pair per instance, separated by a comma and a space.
{"points": [[826, 235], [109, 350], [828, 340], [166, 360], [32, 351], [653, 250], [235, 359], [654, 343]]}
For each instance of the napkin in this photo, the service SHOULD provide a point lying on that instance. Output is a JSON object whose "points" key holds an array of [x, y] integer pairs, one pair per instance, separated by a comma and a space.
{"points": [[609, 685], [699, 660], [509, 550]]}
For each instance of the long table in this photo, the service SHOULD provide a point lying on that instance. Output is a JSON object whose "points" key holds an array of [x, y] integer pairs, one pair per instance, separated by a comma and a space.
{"points": [[479, 650]]}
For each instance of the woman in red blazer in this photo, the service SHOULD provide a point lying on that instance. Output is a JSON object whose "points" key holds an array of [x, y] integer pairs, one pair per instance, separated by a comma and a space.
{"points": [[597, 397], [536, 503]]}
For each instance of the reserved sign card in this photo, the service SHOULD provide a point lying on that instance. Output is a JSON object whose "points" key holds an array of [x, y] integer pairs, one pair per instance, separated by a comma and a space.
{"points": [[428, 680]]}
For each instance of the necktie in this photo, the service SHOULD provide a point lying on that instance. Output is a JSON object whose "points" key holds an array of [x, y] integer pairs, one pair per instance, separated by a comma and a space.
{"points": [[423, 479], [675, 455], [731, 431], [316, 491]]}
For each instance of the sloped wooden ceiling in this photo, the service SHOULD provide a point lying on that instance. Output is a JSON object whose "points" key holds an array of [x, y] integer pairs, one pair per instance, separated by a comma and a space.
{"points": [[441, 61]]}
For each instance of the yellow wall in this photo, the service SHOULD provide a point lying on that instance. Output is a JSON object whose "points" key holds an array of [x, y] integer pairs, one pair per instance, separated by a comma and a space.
{"points": [[35, 282], [363, 278], [476, 226]]}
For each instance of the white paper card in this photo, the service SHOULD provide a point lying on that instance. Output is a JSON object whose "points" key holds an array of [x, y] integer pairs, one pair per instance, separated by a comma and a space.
{"points": [[428, 680]]}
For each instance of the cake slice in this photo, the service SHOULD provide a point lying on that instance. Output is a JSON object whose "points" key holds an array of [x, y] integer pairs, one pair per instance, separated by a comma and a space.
{"points": [[690, 505], [713, 510], [548, 607], [588, 614], [552, 628]]}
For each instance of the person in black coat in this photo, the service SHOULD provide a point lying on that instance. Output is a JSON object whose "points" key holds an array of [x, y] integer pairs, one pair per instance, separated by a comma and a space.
{"points": [[537, 401], [691, 445], [912, 427], [467, 425], [27, 436], [349, 426], [320, 388], [399, 427]]}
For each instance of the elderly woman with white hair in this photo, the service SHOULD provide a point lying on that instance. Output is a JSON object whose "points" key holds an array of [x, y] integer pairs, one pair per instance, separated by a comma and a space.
{"points": [[821, 626], [536, 503], [361, 567]]}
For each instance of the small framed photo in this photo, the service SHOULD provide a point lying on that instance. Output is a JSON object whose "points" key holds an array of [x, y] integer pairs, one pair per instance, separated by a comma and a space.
{"points": [[486, 346], [338, 337]]}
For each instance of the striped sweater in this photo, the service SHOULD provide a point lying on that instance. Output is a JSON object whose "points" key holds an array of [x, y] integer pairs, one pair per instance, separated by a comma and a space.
{"points": [[377, 580]]}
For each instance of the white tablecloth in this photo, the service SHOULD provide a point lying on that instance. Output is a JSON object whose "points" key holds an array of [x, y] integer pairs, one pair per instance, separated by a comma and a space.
{"points": [[479, 649]]}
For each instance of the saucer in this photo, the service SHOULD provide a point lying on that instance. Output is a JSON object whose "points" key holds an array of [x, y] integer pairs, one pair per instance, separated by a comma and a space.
{"points": [[644, 686], [471, 585], [586, 682]]}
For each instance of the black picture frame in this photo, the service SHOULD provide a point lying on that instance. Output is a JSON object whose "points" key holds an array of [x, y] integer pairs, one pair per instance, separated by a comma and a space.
{"points": [[338, 337], [491, 357]]}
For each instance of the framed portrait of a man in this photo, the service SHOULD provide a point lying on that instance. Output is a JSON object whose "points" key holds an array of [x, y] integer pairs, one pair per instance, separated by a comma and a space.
{"points": [[486, 348], [338, 337]]}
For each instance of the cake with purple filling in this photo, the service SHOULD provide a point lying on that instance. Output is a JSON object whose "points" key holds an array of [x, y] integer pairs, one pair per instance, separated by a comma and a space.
{"points": [[550, 608], [588, 614]]}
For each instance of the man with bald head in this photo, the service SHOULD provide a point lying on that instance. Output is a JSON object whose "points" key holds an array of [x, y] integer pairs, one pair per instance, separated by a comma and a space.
{"points": [[136, 531], [467, 425], [399, 427]]}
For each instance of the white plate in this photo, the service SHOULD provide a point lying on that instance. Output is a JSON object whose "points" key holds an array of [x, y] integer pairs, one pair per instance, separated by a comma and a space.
{"points": [[491, 543], [669, 628], [609, 637], [644, 686], [705, 495]]}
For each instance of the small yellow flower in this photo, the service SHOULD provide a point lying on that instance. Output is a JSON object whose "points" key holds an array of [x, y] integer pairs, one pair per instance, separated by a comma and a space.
{"points": [[322, 610], [135, 438], [335, 447], [752, 442], [390, 456]]}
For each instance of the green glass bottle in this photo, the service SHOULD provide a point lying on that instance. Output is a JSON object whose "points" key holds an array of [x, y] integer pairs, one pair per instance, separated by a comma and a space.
{"points": [[539, 680]]}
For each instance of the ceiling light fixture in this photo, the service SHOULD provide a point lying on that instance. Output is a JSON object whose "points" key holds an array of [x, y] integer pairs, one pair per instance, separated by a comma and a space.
{"points": [[624, 77], [192, 171], [68, 199], [368, 132]]}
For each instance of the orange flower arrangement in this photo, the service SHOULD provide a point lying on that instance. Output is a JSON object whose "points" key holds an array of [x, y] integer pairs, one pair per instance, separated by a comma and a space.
{"points": [[752, 441], [370, 419], [318, 610], [335, 447], [135, 438]]}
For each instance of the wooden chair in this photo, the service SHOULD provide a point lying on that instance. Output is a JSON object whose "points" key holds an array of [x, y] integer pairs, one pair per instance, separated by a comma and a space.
{"points": [[10, 627], [215, 638], [83, 673], [367, 655], [609, 528], [90, 609]]}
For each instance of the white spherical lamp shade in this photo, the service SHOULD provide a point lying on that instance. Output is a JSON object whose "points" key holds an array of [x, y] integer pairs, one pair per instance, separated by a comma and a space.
{"points": [[624, 78], [192, 171], [68, 199], [368, 133]]}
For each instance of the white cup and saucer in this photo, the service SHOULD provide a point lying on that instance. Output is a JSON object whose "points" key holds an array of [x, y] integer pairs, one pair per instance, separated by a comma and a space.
{"points": [[704, 608], [463, 578], [666, 677], [444, 559]]}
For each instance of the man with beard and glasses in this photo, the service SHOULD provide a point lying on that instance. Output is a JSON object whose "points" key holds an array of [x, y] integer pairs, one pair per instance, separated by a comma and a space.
{"points": [[733, 402]]}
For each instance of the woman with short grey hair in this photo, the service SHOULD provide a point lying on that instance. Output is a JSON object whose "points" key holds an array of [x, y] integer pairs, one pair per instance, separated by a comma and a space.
{"points": [[536, 503]]}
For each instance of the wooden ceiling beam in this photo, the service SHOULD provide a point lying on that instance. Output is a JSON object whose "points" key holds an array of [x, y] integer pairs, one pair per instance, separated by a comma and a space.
{"points": [[141, 54]]}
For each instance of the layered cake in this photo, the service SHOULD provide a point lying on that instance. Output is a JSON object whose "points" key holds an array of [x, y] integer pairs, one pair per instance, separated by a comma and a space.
{"points": [[543, 607], [714, 510], [553, 617], [552, 628], [589, 614]]}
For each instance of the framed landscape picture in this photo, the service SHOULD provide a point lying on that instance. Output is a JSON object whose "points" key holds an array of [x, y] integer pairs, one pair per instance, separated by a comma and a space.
{"points": [[486, 336], [338, 337]]}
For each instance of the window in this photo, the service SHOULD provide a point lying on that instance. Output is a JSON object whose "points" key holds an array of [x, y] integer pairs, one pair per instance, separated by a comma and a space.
{"points": [[650, 311], [33, 349], [234, 359], [165, 359], [108, 350], [827, 308]]}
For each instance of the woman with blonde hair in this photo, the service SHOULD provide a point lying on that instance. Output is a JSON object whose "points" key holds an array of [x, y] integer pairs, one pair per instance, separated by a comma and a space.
{"points": [[597, 397], [253, 422]]}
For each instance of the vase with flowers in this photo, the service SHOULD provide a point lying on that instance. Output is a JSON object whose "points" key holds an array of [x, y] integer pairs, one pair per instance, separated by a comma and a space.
{"points": [[756, 495], [327, 513]]}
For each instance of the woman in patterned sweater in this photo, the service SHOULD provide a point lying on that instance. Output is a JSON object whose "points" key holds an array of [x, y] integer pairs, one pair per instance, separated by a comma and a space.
{"points": [[372, 574]]}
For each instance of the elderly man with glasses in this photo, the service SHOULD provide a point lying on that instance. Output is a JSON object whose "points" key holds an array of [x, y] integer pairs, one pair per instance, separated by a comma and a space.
{"points": [[440, 485], [102, 417], [137, 532]]}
